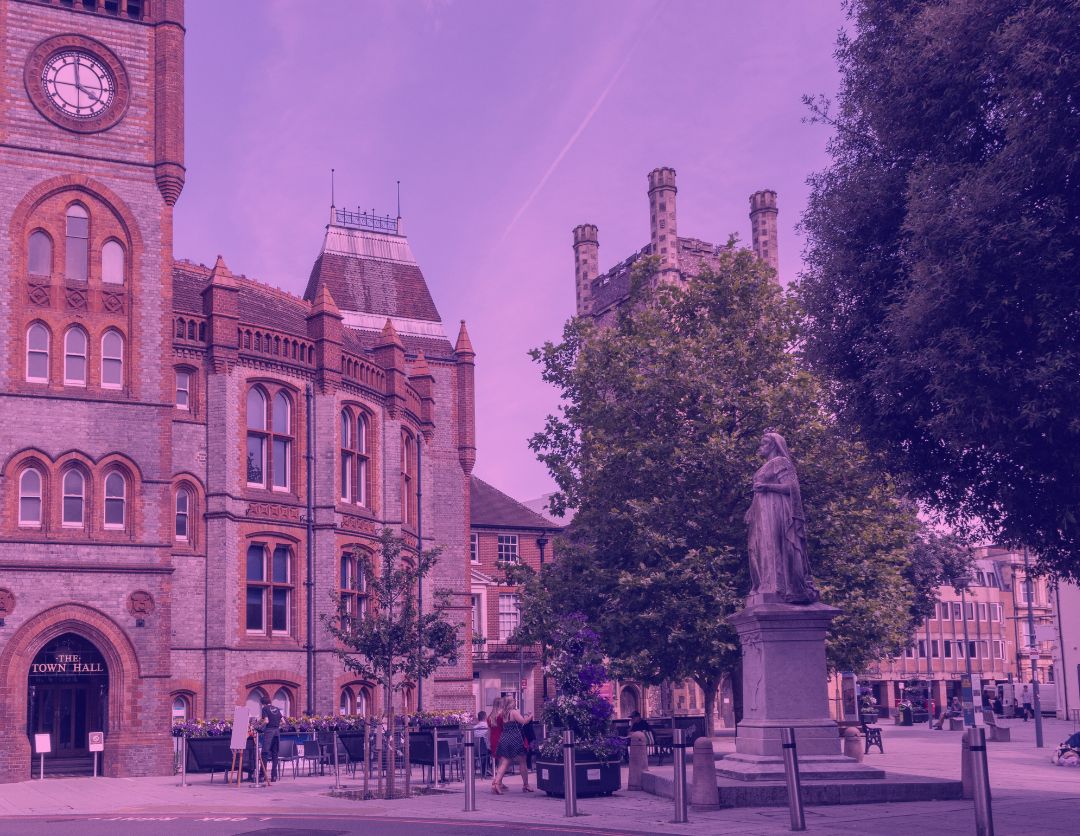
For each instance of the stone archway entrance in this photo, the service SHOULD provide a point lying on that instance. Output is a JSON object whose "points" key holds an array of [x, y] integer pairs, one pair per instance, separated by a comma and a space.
{"points": [[67, 698]]}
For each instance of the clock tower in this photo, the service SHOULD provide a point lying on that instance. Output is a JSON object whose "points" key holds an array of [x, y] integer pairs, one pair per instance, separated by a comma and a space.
{"points": [[91, 164]]}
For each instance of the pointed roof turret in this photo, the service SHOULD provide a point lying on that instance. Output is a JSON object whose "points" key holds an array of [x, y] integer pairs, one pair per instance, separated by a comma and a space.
{"points": [[221, 275], [390, 335], [324, 302], [420, 367], [464, 344]]}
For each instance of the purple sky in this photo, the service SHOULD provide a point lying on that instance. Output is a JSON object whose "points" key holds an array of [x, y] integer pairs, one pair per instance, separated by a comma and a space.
{"points": [[508, 123]]}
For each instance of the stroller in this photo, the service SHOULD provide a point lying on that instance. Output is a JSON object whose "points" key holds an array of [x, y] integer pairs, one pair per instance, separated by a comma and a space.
{"points": [[1068, 753]]}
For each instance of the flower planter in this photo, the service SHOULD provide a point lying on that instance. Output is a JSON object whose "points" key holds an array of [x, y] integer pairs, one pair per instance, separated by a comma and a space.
{"points": [[593, 777]]}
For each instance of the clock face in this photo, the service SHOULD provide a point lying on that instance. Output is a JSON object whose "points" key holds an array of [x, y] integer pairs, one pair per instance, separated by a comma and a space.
{"points": [[78, 84]]}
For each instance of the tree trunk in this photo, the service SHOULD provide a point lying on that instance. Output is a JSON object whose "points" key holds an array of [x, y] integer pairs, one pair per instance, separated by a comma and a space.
{"points": [[708, 688], [407, 766]]}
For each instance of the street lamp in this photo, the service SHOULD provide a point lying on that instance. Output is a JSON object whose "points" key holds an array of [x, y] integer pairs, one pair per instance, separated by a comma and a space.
{"points": [[1029, 593], [541, 543]]}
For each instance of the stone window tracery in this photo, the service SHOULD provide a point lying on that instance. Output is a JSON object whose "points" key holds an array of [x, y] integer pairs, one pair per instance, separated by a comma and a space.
{"points": [[269, 439], [354, 457]]}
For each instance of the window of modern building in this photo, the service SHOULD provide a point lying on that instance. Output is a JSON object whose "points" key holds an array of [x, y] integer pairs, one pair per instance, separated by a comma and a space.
{"points": [[112, 360], [508, 548], [37, 353], [997, 611], [957, 614], [922, 648], [980, 578], [281, 449], [74, 487], [1027, 637], [256, 437], [972, 650], [76, 243], [934, 648], [948, 649], [991, 577], [183, 514], [909, 652], [353, 584], [115, 500], [39, 255], [509, 615], [30, 488], [474, 548], [112, 263], [75, 344], [945, 612], [984, 649], [269, 589], [982, 612], [959, 650], [183, 389]]}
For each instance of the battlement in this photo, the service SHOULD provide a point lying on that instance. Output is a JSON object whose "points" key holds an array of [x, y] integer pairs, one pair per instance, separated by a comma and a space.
{"points": [[585, 234], [660, 178], [763, 200]]}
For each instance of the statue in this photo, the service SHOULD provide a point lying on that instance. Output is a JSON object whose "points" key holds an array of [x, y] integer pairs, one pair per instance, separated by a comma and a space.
{"points": [[777, 541]]}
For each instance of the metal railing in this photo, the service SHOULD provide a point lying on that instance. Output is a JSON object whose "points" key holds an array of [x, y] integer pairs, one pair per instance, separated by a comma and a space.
{"points": [[366, 220]]}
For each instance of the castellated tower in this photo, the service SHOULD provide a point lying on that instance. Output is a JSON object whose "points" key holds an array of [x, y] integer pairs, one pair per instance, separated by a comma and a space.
{"points": [[665, 236], [586, 265], [763, 225]]}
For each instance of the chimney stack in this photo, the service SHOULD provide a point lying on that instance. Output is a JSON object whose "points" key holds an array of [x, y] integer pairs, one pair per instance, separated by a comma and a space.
{"points": [[586, 265]]}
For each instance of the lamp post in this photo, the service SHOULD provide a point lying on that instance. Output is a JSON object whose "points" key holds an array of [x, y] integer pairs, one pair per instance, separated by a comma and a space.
{"points": [[541, 543], [967, 651], [1029, 593]]}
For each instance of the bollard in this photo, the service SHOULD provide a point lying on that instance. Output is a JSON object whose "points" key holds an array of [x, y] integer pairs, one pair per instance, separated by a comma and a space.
{"points": [[639, 760], [435, 755], [791, 773], [980, 774], [183, 762], [569, 773], [678, 749], [470, 772], [703, 792]]}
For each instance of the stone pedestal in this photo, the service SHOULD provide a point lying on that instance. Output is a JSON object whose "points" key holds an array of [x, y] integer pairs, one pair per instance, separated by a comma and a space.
{"points": [[785, 686]]}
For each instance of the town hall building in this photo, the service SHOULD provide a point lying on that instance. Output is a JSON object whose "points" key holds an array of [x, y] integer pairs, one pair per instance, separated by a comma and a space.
{"points": [[192, 463]]}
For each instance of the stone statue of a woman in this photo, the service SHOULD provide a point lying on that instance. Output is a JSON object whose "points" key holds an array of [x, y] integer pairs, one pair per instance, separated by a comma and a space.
{"points": [[779, 570]]}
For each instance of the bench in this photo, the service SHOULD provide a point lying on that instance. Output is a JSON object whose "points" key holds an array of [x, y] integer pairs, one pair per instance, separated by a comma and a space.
{"points": [[998, 733], [873, 738]]}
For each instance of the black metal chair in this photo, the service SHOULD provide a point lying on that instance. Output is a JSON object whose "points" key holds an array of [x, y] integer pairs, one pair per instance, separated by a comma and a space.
{"points": [[288, 753], [873, 738]]}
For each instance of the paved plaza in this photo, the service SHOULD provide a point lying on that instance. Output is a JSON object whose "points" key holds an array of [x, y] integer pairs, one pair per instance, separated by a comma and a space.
{"points": [[1031, 796]]}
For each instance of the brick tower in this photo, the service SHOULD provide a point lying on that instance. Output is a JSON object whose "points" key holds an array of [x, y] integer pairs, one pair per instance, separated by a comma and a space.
{"points": [[92, 161], [763, 213]]}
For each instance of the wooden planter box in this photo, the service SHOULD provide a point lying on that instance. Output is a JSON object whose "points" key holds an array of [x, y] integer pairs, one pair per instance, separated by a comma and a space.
{"points": [[593, 777]]}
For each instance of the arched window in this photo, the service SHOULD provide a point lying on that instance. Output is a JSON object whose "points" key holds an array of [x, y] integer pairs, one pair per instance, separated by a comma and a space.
{"points": [[362, 702], [408, 473], [76, 253], [346, 456], [346, 704], [30, 484], [183, 389], [268, 600], [184, 501], [281, 450], [74, 485], [254, 701], [256, 439], [181, 708], [115, 500], [353, 583], [361, 459], [282, 700], [75, 343], [112, 263], [37, 353], [39, 255], [112, 360]]}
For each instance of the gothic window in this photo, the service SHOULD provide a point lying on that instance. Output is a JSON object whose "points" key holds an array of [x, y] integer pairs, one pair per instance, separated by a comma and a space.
{"points": [[354, 457], [37, 353], [345, 704], [361, 459], [256, 439], [353, 584], [76, 253], [115, 500], [74, 486], [39, 260], [269, 589], [408, 477], [75, 344], [30, 488], [346, 456], [184, 501], [281, 450], [112, 263], [112, 360]]}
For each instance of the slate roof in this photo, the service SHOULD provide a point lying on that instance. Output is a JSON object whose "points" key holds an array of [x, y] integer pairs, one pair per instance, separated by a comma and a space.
{"points": [[490, 507], [358, 342]]}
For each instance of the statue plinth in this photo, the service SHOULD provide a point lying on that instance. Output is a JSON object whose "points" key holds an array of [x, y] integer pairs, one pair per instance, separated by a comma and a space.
{"points": [[784, 679]]}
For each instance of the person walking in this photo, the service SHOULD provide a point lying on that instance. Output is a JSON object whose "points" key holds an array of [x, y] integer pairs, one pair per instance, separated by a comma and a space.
{"points": [[495, 727], [511, 746], [1025, 699]]}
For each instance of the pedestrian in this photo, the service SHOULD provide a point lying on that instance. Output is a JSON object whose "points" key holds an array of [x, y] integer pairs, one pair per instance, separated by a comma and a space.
{"points": [[511, 746], [495, 727], [639, 723], [271, 736], [480, 727], [1025, 699]]}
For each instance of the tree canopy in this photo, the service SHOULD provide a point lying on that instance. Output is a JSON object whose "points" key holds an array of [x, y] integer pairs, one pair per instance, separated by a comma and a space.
{"points": [[941, 284], [654, 446]]}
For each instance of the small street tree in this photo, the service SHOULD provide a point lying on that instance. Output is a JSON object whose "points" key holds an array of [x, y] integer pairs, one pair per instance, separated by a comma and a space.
{"points": [[654, 446], [389, 641]]}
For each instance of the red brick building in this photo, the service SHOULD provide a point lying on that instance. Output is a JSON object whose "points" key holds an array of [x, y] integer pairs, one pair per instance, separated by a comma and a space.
{"points": [[191, 460]]}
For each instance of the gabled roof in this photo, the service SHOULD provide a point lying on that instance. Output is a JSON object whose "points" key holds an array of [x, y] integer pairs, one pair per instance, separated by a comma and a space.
{"points": [[490, 507]]}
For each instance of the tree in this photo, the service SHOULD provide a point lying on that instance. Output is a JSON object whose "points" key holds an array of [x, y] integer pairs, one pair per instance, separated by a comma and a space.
{"points": [[389, 641], [655, 444], [940, 287]]}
